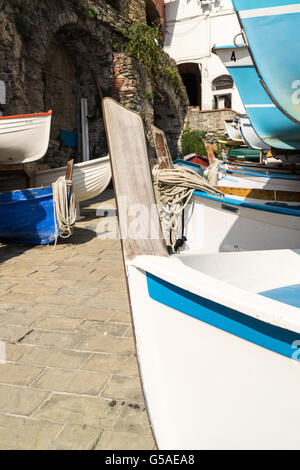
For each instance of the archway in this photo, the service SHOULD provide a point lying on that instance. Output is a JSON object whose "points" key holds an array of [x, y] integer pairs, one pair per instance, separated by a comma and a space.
{"points": [[191, 77], [71, 58]]}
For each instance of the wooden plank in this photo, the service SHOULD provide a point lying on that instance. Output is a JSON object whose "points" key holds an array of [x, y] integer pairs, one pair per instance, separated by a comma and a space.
{"points": [[210, 153], [69, 170], [132, 181], [97, 81], [85, 130], [161, 148], [263, 194]]}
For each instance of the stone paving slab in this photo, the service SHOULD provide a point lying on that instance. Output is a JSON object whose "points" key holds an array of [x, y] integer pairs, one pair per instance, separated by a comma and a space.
{"points": [[70, 379]]}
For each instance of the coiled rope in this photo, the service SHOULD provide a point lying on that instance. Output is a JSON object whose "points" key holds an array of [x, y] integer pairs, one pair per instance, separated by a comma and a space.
{"points": [[175, 187], [211, 172], [64, 205]]}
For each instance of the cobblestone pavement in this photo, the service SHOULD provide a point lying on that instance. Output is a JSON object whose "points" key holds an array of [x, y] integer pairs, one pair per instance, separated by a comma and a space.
{"points": [[70, 378]]}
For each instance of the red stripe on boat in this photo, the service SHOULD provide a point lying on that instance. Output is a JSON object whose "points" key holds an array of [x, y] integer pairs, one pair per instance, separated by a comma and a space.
{"points": [[27, 115]]}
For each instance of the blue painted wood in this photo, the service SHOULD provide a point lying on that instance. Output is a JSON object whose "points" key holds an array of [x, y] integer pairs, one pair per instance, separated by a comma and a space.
{"points": [[69, 139], [27, 216], [240, 171], [267, 207], [270, 124], [263, 334], [274, 40], [289, 295]]}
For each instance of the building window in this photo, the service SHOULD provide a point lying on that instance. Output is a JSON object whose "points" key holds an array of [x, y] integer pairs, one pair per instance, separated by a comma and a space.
{"points": [[222, 83], [221, 98]]}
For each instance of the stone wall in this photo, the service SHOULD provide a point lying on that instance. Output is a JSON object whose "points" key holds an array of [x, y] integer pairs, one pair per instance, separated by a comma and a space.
{"points": [[49, 51], [211, 121]]}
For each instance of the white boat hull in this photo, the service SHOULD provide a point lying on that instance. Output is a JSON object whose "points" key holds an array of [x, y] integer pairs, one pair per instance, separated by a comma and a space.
{"points": [[207, 388], [250, 136], [233, 131], [229, 179], [24, 139], [89, 178], [218, 226]]}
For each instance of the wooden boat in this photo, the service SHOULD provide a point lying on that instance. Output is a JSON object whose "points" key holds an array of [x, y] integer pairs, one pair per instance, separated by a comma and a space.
{"points": [[244, 154], [217, 334], [250, 137], [271, 28], [246, 178], [278, 167], [27, 216], [33, 216], [268, 121], [90, 178], [233, 131], [24, 138]]}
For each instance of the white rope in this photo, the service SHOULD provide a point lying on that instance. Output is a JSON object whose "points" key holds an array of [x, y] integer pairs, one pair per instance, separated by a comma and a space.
{"points": [[176, 187], [211, 172], [64, 208]]}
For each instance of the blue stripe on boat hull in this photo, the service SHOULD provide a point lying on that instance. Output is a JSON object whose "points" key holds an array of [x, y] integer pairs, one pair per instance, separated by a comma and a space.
{"points": [[270, 124], [274, 42], [27, 216], [248, 328]]}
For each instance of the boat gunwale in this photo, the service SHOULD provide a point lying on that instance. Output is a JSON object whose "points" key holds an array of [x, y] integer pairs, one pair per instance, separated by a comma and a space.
{"points": [[22, 116], [250, 205], [172, 270]]}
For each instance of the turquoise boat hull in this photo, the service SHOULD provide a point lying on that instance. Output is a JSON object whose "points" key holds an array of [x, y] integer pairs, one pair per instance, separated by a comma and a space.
{"points": [[273, 34], [270, 124], [27, 216]]}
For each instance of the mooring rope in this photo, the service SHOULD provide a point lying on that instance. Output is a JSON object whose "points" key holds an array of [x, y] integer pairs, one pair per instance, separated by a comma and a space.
{"points": [[64, 208], [175, 187], [211, 172]]}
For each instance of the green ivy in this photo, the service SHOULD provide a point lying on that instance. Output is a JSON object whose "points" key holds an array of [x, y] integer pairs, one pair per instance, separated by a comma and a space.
{"points": [[149, 96], [143, 44], [83, 9], [173, 77], [192, 142]]}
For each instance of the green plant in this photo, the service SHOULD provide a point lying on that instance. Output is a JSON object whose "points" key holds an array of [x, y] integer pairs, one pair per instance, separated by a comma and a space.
{"points": [[143, 44], [192, 142], [83, 9], [22, 25], [149, 96], [173, 77]]}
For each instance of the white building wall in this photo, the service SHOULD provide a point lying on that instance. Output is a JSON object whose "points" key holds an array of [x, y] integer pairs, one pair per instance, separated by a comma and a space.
{"points": [[192, 29]]}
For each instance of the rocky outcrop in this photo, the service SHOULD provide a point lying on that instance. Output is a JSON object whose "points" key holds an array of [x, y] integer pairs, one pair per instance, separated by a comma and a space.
{"points": [[49, 52]]}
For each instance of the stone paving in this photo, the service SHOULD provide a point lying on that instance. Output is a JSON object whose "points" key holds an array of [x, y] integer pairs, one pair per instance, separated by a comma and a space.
{"points": [[70, 378]]}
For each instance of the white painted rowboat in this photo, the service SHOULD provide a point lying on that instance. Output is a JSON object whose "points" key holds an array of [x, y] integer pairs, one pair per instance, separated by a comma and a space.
{"points": [[89, 179], [24, 138], [232, 128], [217, 334], [250, 137]]}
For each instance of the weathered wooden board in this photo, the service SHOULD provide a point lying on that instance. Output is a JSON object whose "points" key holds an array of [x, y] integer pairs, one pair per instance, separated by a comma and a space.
{"points": [[132, 182], [161, 148]]}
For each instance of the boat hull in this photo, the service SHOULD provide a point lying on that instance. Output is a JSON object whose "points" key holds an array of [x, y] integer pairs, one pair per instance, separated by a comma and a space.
{"points": [[233, 130], [272, 29], [24, 139], [89, 178], [270, 124], [204, 375], [242, 224], [250, 137], [27, 216]]}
